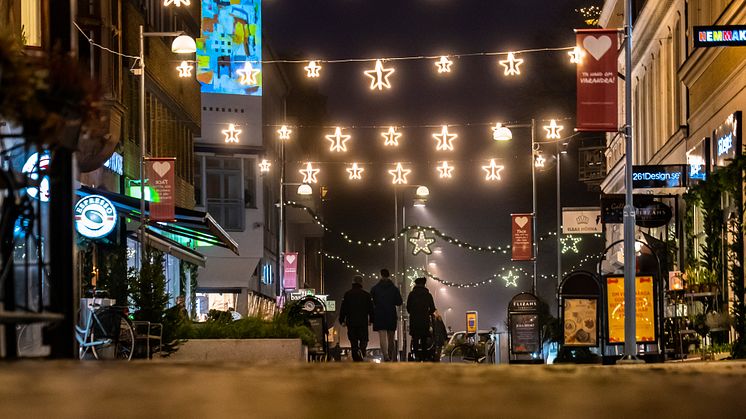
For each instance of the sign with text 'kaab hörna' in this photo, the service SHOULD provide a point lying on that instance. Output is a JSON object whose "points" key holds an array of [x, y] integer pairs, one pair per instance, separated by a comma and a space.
{"points": [[720, 36], [597, 71], [160, 174]]}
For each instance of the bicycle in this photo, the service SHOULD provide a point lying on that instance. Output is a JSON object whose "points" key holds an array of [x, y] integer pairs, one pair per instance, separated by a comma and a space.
{"points": [[106, 332], [469, 351]]}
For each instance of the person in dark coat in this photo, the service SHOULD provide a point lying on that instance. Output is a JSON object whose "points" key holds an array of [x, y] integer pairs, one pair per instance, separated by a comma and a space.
{"points": [[420, 306], [356, 314], [440, 335], [386, 297]]}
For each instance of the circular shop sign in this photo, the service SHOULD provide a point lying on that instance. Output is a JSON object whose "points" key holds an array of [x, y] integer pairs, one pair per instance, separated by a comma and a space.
{"points": [[33, 166], [95, 216]]}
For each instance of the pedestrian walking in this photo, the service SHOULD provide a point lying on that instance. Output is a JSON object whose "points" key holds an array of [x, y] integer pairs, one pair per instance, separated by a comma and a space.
{"points": [[440, 335], [386, 297], [356, 314], [420, 307]]}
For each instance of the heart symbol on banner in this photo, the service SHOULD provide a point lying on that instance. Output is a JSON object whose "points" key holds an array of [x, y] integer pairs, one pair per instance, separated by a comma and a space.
{"points": [[521, 221], [597, 47], [161, 167], [290, 258]]}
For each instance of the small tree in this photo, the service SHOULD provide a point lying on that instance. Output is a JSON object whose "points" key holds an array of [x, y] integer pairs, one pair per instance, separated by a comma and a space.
{"points": [[148, 287]]}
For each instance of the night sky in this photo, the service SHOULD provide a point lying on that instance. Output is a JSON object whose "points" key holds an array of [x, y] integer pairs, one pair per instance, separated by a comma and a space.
{"points": [[471, 98]]}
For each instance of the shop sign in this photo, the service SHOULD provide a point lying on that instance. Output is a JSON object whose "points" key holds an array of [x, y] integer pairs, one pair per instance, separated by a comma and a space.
{"points": [[522, 234], [720, 36], [697, 159], [596, 79], [115, 163], [659, 176], [581, 220], [35, 165], [726, 144], [95, 216], [580, 322], [160, 175], [472, 321], [645, 313], [648, 213]]}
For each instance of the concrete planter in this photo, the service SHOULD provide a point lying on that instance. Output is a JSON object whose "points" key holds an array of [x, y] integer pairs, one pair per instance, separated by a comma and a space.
{"points": [[252, 351]]}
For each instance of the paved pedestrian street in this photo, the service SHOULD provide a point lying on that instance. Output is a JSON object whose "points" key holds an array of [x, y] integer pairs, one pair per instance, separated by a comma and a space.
{"points": [[162, 389]]}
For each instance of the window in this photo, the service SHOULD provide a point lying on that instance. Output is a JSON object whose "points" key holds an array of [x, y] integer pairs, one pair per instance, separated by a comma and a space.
{"points": [[224, 191], [198, 199], [249, 179], [31, 22]]}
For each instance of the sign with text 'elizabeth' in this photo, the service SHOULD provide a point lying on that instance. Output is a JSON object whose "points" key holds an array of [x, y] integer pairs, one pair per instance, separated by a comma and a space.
{"points": [[720, 36], [160, 174], [522, 244], [597, 52]]}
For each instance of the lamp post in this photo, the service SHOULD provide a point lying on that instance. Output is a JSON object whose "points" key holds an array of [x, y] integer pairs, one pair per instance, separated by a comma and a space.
{"points": [[304, 189], [183, 44]]}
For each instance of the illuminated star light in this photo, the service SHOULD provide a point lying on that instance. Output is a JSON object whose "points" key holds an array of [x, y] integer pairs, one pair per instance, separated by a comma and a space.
{"points": [[493, 170], [445, 170], [284, 132], [445, 139], [356, 173], [338, 140], [511, 65], [391, 136], [539, 161], [399, 174], [444, 64], [576, 55], [421, 243], [312, 69], [379, 77], [231, 134], [185, 70], [570, 244], [177, 3], [264, 166], [248, 74], [309, 174], [553, 130], [511, 280]]}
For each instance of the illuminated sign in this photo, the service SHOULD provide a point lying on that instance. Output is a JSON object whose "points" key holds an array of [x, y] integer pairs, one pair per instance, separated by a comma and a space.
{"points": [[231, 42], [720, 36], [726, 143], [697, 158], [645, 313], [115, 163], [95, 216], [660, 176], [471, 322], [33, 166]]}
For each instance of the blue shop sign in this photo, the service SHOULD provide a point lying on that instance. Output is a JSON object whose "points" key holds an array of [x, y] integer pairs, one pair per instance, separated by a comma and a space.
{"points": [[726, 144], [698, 158], [115, 163], [659, 176], [720, 36]]}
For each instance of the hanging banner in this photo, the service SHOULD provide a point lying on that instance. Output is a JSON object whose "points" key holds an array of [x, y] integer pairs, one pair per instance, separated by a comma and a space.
{"points": [[645, 313], [522, 244], [597, 80], [290, 271], [159, 172]]}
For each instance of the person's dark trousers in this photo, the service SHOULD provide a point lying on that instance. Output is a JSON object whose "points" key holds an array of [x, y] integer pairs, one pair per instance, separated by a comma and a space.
{"points": [[358, 342], [419, 345]]}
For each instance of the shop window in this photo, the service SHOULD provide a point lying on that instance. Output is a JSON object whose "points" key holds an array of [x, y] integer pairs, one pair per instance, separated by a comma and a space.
{"points": [[249, 174], [224, 192], [31, 22]]}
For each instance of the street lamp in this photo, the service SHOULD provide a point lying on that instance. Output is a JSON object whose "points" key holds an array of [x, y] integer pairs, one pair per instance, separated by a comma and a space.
{"points": [[182, 44]]}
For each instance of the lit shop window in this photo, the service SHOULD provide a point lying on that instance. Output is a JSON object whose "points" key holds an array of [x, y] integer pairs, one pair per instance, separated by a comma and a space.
{"points": [[31, 22]]}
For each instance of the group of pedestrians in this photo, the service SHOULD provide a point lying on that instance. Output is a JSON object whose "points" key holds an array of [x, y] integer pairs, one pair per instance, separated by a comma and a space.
{"points": [[361, 309]]}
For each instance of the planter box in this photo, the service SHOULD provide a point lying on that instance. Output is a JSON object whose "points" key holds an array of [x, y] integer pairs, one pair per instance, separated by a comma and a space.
{"points": [[253, 351]]}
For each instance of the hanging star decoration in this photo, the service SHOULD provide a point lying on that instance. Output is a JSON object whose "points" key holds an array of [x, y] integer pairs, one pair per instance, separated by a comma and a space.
{"points": [[312, 69], [570, 244], [231, 134], [445, 170], [445, 139], [309, 174], [444, 64], [511, 65], [576, 55], [399, 174], [421, 243], [338, 140], [356, 173], [264, 166], [539, 160], [185, 70], [284, 132], [391, 137], [553, 130], [493, 170], [248, 74], [379, 76], [177, 3], [511, 280]]}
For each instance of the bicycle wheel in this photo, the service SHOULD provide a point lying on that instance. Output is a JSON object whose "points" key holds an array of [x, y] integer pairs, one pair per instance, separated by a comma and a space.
{"points": [[463, 354], [117, 331]]}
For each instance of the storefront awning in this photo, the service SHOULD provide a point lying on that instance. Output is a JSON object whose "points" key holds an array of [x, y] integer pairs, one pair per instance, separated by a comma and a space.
{"points": [[173, 248], [190, 224]]}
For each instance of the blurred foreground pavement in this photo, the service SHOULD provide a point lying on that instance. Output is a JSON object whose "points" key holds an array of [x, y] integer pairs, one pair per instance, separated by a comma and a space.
{"points": [[162, 389]]}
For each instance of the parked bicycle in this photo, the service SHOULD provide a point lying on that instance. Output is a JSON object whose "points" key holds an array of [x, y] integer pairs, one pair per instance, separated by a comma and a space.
{"points": [[106, 333], [476, 348]]}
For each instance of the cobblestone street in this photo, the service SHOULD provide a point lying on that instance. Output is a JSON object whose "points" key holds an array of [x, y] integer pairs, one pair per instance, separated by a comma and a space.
{"points": [[165, 389]]}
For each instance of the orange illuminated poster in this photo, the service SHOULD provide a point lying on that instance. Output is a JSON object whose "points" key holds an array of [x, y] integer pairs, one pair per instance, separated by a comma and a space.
{"points": [[471, 322], [645, 323]]}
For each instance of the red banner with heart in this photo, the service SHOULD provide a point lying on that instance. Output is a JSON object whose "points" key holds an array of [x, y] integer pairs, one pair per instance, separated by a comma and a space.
{"points": [[522, 231], [596, 53], [290, 271], [159, 172]]}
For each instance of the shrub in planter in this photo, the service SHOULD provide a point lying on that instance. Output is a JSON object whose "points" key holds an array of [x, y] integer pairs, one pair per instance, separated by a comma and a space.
{"points": [[246, 328]]}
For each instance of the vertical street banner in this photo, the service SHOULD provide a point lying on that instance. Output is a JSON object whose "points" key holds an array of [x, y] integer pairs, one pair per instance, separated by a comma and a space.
{"points": [[159, 172], [522, 232], [597, 51], [290, 271]]}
